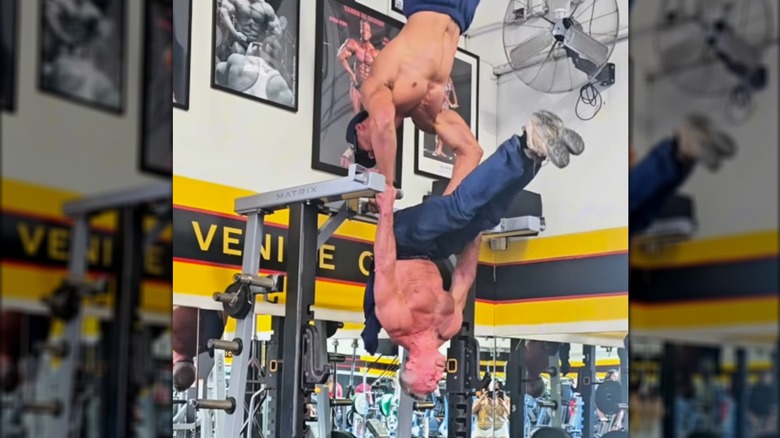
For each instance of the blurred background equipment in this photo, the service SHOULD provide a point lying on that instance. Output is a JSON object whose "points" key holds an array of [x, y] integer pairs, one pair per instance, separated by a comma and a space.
{"points": [[717, 47], [60, 401], [562, 45]]}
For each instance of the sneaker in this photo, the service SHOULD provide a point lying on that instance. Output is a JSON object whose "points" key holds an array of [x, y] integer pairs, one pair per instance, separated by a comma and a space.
{"points": [[183, 375], [547, 138], [700, 141]]}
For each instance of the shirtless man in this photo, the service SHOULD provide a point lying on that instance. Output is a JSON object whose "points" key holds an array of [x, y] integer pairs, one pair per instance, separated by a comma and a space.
{"points": [[248, 21], [252, 74], [408, 79], [404, 293], [364, 53]]}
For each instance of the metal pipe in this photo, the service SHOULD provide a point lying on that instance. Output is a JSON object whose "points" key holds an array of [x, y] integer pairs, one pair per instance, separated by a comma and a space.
{"points": [[46, 408], [252, 410], [228, 405], [264, 282], [234, 346], [503, 69]]}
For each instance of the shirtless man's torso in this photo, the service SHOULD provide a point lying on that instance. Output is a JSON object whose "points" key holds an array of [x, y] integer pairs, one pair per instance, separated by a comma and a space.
{"points": [[408, 79], [412, 305]]}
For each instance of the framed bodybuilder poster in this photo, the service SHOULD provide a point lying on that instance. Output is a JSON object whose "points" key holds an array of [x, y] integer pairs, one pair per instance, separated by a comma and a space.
{"points": [[82, 52], [432, 157], [156, 111], [182, 35], [255, 50], [349, 38], [9, 17]]}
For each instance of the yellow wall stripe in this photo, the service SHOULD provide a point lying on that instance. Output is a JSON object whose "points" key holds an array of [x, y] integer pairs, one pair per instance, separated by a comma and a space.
{"points": [[591, 243], [47, 203], [721, 249], [567, 310], [705, 314], [32, 283]]}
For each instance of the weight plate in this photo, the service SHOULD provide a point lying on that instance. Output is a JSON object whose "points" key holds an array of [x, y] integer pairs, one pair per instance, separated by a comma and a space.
{"points": [[616, 434], [242, 305], [550, 432], [360, 404], [608, 397], [392, 423], [385, 404]]}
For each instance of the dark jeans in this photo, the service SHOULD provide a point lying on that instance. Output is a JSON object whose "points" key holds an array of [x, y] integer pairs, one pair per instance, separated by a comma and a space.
{"points": [[652, 182], [443, 225]]}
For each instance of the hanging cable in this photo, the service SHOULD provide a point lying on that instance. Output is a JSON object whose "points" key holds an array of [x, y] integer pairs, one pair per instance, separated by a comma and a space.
{"points": [[591, 96]]}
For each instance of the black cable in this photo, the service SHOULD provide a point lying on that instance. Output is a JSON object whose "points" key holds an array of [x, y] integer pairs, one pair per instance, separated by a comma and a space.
{"points": [[589, 95]]}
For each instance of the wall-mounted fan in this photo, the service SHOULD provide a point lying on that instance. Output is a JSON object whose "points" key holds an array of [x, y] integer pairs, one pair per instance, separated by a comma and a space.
{"points": [[716, 47], [556, 46]]}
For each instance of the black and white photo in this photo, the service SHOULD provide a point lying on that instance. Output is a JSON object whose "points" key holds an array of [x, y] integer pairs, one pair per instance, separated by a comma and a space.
{"points": [[182, 35], [434, 158], [349, 38], [255, 50], [156, 110], [8, 53], [82, 51], [397, 6]]}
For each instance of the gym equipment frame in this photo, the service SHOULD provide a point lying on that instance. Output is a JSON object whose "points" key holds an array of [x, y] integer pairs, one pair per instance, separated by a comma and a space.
{"points": [[295, 365], [65, 304]]}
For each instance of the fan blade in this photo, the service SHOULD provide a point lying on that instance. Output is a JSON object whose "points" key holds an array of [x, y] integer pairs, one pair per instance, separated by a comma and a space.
{"points": [[684, 50], [586, 46], [530, 48]]}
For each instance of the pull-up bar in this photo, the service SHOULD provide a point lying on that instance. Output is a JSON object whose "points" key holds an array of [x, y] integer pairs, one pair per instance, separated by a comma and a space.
{"points": [[354, 185]]}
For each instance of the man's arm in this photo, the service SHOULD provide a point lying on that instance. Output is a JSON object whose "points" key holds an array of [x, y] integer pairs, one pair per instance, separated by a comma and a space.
{"points": [[465, 273], [345, 52], [378, 102], [385, 288], [455, 133]]}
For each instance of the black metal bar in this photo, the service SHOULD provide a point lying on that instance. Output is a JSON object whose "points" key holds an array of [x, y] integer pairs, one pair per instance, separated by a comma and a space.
{"points": [[458, 394], [669, 389], [585, 381], [119, 400], [515, 378], [272, 380], [776, 380], [624, 380], [301, 278], [739, 387]]}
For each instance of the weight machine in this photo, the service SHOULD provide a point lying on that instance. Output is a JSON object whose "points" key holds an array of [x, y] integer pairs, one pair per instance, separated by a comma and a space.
{"points": [[296, 358], [60, 419]]}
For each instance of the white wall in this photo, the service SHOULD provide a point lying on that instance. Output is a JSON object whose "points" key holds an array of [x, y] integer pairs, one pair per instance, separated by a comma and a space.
{"points": [[743, 196], [241, 143], [591, 193], [52, 142]]}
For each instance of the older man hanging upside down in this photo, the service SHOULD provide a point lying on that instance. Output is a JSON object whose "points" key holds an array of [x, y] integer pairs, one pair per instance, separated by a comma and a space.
{"points": [[404, 293]]}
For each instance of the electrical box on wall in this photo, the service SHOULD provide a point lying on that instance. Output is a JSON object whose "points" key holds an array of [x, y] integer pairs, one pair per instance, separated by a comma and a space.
{"points": [[675, 223]]}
